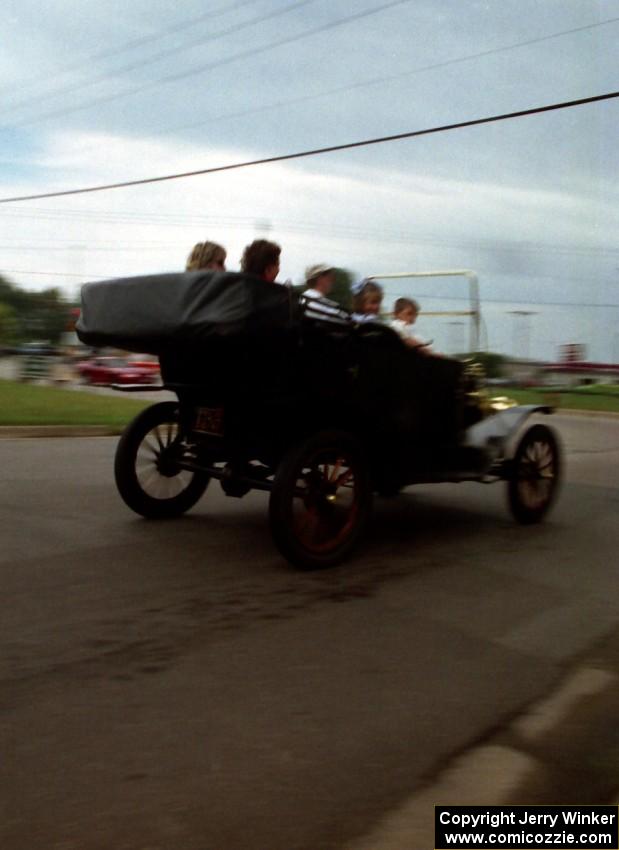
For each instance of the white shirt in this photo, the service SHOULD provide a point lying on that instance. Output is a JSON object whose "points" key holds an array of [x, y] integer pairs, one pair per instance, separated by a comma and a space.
{"points": [[406, 331], [316, 305], [313, 293]]}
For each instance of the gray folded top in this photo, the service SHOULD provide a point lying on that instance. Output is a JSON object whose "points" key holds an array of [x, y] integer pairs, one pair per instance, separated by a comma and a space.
{"points": [[156, 313]]}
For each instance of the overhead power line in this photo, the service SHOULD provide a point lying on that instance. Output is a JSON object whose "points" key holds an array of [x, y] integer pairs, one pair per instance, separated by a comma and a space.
{"points": [[255, 110], [387, 78], [184, 219], [290, 227], [164, 54], [431, 296], [130, 45], [54, 274], [316, 151], [209, 66]]}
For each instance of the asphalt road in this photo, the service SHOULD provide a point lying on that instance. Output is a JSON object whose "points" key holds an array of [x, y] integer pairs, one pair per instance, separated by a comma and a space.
{"points": [[177, 685]]}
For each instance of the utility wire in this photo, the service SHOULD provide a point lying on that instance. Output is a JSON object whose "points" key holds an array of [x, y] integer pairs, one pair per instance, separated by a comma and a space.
{"points": [[213, 36], [294, 227], [316, 151], [190, 220], [374, 81], [282, 103], [209, 66], [131, 45], [431, 296], [55, 274]]}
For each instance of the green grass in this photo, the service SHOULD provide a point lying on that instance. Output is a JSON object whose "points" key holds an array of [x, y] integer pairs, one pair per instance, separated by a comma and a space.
{"points": [[598, 389], [606, 400], [28, 404]]}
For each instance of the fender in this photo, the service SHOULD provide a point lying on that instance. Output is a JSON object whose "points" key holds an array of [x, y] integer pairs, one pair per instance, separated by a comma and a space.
{"points": [[497, 433]]}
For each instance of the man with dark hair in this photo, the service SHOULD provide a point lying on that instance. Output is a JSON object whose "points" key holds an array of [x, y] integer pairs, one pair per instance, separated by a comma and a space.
{"points": [[262, 259]]}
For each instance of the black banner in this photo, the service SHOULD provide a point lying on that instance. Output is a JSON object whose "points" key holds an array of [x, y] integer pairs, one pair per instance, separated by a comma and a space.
{"points": [[578, 827]]}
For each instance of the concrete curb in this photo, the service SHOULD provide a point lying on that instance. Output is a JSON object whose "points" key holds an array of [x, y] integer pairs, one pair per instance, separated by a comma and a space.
{"points": [[593, 414], [23, 431], [522, 763], [19, 431]]}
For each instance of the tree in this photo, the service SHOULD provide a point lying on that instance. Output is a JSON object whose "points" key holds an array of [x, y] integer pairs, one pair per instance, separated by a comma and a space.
{"points": [[48, 315], [342, 292], [493, 363], [8, 325], [34, 315]]}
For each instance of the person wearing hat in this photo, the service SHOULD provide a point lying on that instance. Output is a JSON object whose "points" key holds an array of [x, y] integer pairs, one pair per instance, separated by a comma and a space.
{"points": [[319, 280]]}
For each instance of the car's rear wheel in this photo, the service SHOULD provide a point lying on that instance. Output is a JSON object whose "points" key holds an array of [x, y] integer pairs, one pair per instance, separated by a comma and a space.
{"points": [[146, 468], [535, 475], [321, 500]]}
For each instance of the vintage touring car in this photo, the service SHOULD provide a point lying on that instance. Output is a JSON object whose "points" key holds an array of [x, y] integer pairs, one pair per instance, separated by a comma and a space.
{"points": [[316, 410]]}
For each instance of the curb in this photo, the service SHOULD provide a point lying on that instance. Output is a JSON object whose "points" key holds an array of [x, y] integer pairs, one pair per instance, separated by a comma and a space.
{"points": [[594, 414], [25, 431], [528, 760]]}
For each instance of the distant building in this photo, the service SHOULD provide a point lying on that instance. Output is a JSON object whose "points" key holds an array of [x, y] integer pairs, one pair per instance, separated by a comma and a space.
{"points": [[573, 374], [568, 371], [573, 352], [573, 368], [524, 372]]}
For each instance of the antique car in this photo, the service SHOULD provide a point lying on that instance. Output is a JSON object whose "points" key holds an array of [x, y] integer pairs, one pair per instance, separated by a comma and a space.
{"points": [[320, 413]]}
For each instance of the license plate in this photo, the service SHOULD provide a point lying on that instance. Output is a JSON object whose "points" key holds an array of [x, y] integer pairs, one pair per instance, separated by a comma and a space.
{"points": [[210, 420]]}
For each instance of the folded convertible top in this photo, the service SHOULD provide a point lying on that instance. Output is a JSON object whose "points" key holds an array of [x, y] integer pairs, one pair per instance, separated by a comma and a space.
{"points": [[157, 313]]}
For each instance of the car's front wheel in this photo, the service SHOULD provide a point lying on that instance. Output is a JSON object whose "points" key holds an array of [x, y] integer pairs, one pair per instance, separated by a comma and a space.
{"points": [[535, 475]]}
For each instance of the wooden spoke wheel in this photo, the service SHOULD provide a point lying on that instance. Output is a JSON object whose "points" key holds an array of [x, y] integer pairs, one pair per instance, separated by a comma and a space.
{"points": [[535, 475], [146, 468], [321, 500]]}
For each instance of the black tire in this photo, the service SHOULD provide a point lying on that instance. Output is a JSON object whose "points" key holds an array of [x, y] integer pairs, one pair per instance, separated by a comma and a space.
{"points": [[535, 475], [147, 477], [310, 527]]}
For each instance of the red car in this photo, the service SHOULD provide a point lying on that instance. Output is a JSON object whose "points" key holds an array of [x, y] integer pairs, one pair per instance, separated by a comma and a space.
{"points": [[116, 370]]}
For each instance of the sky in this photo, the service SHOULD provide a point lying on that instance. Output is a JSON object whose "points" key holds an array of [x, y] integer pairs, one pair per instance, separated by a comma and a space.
{"points": [[97, 93]]}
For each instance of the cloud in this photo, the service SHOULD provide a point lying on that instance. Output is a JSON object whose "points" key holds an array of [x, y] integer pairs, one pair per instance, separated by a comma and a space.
{"points": [[357, 218]]}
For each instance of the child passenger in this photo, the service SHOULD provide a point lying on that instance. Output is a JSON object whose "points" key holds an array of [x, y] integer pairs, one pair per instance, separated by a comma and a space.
{"points": [[405, 312], [367, 298]]}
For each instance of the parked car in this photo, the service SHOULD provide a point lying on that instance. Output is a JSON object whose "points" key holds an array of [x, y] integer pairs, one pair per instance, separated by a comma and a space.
{"points": [[36, 349], [148, 365], [115, 370]]}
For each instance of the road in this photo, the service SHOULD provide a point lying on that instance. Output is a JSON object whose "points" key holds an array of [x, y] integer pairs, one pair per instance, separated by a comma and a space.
{"points": [[177, 685]]}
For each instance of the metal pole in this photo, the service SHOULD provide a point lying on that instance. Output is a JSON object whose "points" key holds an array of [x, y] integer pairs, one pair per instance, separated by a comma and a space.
{"points": [[525, 316], [474, 311]]}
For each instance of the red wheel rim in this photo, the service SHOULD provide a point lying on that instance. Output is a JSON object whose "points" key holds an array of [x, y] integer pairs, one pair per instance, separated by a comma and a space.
{"points": [[326, 500]]}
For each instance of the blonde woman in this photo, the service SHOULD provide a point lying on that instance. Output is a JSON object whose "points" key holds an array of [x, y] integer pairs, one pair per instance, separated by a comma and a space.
{"points": [[206, 255]]}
